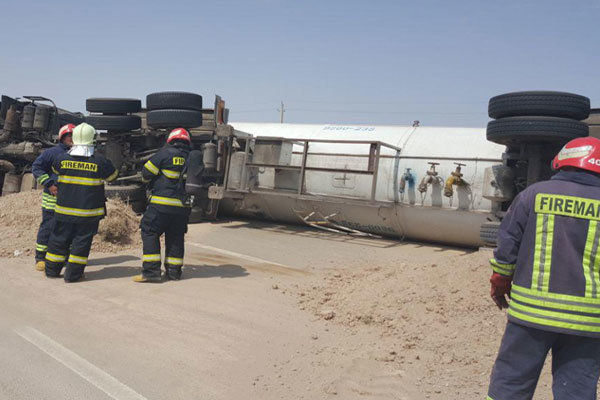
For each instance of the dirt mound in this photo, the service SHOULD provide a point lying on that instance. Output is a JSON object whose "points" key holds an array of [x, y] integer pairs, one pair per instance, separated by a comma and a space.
{"points": [[436, 320], [20, 216]]}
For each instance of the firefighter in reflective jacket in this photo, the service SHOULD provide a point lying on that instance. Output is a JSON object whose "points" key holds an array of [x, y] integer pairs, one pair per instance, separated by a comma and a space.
{"points": [[548, 262], [42, 172], [167, 212], [80, 204]]}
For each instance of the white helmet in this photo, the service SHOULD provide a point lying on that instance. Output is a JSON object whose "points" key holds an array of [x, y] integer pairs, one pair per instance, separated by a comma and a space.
{"points": [[84, 138]]}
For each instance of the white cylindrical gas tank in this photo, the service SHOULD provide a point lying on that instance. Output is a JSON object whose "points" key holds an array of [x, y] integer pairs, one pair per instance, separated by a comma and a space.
{"points": [[419, 147]]}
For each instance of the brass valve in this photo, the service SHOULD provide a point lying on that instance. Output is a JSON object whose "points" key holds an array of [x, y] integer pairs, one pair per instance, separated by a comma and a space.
{"points": [[456, 178]]}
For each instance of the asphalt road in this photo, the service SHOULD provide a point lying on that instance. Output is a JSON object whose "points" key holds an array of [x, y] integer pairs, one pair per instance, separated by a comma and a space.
{"points": [[226, 331]]}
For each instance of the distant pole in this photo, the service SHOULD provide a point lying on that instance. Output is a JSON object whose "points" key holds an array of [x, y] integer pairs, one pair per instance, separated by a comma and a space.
{"points": [[281, 111]]}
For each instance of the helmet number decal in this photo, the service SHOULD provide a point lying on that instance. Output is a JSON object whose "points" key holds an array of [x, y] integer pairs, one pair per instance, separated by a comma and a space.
{"points": [[595, 161]]}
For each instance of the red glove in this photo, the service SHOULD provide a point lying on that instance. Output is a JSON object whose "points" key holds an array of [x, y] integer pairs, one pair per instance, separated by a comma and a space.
{"points": [[500, 287]]}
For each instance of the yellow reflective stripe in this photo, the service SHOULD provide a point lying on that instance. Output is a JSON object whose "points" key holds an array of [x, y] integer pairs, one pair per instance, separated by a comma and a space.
{"points": [[77, 259], [151, 257], [166, 201], [558, 305], [174, 261], [555, 319], [591, 260], [80, 212], [42, 178], [542, 259], [54, 170], [48, 196], [55, 257], [41, 247], [170, 174], [78, 180], [48, 207], [151, 167], [548, 256], [557, 296], [501, 268], [113, 176]]}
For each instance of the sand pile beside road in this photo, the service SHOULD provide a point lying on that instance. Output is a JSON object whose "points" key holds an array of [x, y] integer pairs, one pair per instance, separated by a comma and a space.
{"points": [[434, 320], [20, 216]]}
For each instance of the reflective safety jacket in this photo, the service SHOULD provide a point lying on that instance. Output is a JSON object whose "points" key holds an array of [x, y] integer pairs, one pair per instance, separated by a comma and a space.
{"points": [[548, 242], [42, 172], [81, 187], [163, 171]]}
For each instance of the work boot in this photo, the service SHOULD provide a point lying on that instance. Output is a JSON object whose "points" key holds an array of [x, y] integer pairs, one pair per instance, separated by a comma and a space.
{"points": [[173, 274], [142, 279], [40, 265], [81, 278]]}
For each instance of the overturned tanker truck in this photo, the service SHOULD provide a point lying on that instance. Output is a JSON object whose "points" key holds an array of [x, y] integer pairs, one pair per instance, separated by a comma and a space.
{"points": [[445, 185], [434, 184]]}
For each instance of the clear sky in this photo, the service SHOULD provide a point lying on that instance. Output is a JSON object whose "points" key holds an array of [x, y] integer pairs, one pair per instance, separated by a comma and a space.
{"points": [[329, 61]]}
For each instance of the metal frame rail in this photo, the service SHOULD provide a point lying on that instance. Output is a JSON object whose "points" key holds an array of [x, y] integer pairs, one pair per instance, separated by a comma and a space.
{"points": [[374, 158]]}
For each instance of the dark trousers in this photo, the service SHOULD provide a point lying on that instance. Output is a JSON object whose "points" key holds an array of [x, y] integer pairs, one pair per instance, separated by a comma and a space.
{"points": [[174, 226], [575, 364], [69, 243], [43, 235]]}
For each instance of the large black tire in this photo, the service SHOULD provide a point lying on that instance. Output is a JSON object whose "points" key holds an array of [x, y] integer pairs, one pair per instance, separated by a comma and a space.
{"points": [[114, 122], [66, 117], [534, 130], [174, 119], [488, 233], [113, 105], [176, 100], [539, 103]]}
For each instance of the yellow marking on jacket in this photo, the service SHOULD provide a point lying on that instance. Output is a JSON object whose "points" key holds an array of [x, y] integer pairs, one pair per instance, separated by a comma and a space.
{"points": [[568, 206], [79, 165], [178, 161]]}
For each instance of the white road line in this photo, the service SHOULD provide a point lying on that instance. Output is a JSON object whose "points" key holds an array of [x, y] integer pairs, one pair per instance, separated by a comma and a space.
{"points": [[88, 371], [233, 254]]}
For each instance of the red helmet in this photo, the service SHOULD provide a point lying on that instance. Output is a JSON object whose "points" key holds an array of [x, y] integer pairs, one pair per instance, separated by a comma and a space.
{"points": [[179, 133], [65, 129], [581, 153]]}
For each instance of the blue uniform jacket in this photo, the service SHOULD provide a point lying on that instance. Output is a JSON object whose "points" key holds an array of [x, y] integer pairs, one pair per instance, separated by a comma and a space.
{"points": [[549, 242], [42, 172], [42, 166]]}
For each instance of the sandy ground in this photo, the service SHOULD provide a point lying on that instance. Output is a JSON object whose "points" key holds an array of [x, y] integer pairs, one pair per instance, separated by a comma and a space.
{"points": [[264, 312], [20, 217]]}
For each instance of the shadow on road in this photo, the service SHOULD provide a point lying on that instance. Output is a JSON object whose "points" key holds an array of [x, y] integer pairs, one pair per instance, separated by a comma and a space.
{"points": [[111, 260], [111, 273], [214, 271], [189, 272]]}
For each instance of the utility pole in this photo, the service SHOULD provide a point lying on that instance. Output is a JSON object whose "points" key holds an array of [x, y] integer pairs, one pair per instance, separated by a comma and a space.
{"points": [[281, 111]]}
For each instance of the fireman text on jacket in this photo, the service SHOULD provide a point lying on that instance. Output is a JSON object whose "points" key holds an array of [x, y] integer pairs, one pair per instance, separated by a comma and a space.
{"points": [[80, 165], [569, 206]]}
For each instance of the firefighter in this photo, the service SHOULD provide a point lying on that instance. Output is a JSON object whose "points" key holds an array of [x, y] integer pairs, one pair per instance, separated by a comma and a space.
{"points": [[80, 204], [548, 262], [167, 211], [42, 172]]}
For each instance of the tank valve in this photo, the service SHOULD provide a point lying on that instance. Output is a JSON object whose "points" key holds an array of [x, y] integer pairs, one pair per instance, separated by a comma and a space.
{"points": [[455, 178], [431, 178], [406, 177]]}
